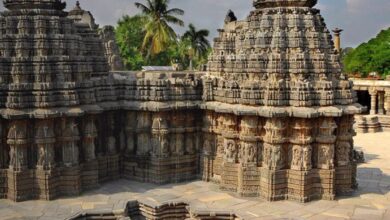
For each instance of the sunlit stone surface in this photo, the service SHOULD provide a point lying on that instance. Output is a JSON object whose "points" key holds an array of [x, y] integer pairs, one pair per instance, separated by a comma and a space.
{"points": [[272, 118]]}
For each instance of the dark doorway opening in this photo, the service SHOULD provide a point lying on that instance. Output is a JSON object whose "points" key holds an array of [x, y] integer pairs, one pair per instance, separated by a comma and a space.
{"points": [[364, 99]]}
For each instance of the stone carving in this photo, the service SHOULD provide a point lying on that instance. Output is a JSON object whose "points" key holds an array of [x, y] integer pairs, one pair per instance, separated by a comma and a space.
{"points": [[17, 139], [274, 157], [45, 139], [260, 122], [161, 147], [301, 158], [231, 151], [90, 133], [248, 153], [68, 138], [107, 33], [326, 156], [230, 17]]}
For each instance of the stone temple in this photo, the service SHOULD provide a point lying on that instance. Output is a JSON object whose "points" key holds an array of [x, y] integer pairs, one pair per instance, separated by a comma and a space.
{"points": [[272, 118]]}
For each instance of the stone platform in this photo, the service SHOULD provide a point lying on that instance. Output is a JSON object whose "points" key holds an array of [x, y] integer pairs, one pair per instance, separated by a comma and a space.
{"points": [[371, 201], [372, 123]]}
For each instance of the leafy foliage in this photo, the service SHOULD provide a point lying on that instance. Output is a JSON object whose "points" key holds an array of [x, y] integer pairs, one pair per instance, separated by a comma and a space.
{"points": [[140, 45], [129, 35], [198, 40], [373, 56], [159, 35]]}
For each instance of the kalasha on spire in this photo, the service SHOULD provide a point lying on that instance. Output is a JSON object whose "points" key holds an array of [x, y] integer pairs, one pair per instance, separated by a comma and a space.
{"points": [[284, 3], [34, 4]]}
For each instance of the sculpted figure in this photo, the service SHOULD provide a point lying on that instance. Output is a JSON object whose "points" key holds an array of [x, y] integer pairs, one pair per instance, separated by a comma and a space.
{"points": [[112, 145], [89, 148], [267, 156], [12, 156], [41, 156], [190, 144], [230, 151], [179, 144], [207, 146], [90, 133], [343, 150], [45, 156], [164, 146], [325, 157], [307, 152], [277, 158], [296, 162], [248, 153], [130, 144]]}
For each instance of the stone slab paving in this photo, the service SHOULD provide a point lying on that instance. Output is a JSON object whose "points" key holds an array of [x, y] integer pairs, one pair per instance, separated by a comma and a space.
{"points": [[371, 201]]}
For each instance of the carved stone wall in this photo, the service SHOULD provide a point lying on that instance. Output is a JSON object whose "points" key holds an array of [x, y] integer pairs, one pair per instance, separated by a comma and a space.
{"points": [[280, 158], [272, 118]]}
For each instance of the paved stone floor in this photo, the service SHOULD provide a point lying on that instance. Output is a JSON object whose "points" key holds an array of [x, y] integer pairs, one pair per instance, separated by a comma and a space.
{"points": [[371, 201]]}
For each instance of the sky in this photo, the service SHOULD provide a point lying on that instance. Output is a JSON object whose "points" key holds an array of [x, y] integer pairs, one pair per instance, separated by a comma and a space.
{"points": [[360, 19]]}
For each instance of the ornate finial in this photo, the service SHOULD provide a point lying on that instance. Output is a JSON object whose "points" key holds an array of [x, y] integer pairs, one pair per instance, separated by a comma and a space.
{"points": [[78, 7], [230, 17], [337, 30]]}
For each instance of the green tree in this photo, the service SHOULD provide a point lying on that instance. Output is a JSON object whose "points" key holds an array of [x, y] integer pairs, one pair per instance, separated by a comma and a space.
{"points": [[199, 45], [198, 40], [159, 34], [129, 35], [373, 56]]}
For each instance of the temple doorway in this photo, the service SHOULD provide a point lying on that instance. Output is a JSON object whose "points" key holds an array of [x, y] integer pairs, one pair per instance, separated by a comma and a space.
{"points": [[364, 99]]}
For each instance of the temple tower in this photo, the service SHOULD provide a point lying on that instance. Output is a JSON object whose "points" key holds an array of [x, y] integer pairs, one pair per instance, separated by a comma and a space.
{"points": [[277, 100]]}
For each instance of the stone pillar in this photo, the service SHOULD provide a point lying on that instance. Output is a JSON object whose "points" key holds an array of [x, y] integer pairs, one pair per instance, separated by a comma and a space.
{"points": [[20, 179], [90, 174], [249, 151], [301, 151], [274, 160], [337, 40], [381, 103], [112, 163], [387, 102], [325, 154], [46, 176], [373, 94], [4, 154], [68, 138], [345, 172], [129, 166]]}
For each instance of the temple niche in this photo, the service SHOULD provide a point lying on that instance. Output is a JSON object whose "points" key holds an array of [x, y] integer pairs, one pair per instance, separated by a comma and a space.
{"points": [[271, 118]]}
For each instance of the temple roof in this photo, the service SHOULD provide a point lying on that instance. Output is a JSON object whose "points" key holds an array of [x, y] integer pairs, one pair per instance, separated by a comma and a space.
{"points": [[34, 4], [81, 16], [283, 3]]}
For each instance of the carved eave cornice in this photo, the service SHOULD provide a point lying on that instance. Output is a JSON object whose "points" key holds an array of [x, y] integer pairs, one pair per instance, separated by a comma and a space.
{"points": [[282, 112]]}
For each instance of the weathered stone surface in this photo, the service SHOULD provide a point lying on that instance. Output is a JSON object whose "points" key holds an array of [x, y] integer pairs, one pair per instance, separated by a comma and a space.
{"points": [[279, 112], [272, 117]]}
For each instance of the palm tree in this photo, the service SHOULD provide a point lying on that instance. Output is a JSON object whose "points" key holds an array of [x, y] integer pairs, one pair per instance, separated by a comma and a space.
{"points": [[158, 32], [198, 41]]}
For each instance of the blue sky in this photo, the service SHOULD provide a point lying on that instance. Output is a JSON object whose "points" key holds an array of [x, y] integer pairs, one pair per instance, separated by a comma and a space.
{"points": [[361, 19]]}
